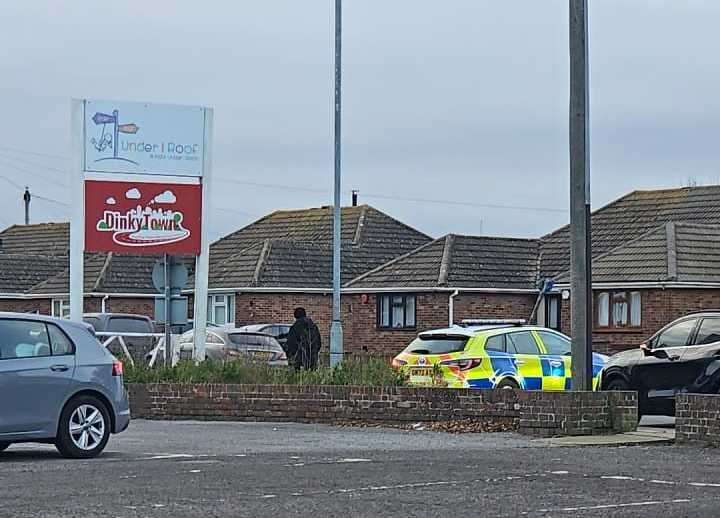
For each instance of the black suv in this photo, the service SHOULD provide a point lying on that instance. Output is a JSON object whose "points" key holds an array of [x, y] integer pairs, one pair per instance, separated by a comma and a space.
{"points": [[683, 356]]}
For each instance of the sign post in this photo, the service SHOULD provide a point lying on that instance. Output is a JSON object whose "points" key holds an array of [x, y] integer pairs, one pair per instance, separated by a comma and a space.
{"points": [[141, 183]]}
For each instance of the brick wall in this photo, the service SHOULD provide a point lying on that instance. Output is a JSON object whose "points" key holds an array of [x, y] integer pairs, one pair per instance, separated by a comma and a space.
{"points": [[534, 413], [697, 419], [659, 307], [41, 306], [547, 414], [361, 334]]}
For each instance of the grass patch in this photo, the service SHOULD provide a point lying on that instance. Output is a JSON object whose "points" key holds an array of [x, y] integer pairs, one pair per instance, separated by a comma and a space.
{"points": [[366, 371]]}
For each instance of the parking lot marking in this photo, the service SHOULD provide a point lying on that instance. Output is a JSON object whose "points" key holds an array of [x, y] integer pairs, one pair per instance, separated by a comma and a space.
{"points": [[168, 456], [610, 506]]}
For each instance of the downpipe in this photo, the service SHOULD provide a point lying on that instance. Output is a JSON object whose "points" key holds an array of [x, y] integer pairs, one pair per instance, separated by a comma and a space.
{"points": [[451, 306]]}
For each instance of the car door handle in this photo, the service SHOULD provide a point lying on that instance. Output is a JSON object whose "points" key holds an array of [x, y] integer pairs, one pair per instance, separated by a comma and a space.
{"points": [[520, 362], [59, 368]]}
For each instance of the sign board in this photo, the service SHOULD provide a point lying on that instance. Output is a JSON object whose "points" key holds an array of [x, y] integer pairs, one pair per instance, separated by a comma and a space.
{"points": [[140, 138], [142, 217], [178, 310]]}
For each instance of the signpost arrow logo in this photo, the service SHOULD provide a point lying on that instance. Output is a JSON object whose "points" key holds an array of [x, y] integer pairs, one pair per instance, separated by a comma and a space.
{"points": [[103, 118], [128, 128]]}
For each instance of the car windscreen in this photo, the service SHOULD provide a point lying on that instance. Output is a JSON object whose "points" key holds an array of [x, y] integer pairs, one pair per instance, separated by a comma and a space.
{"points": [[437, 344]]}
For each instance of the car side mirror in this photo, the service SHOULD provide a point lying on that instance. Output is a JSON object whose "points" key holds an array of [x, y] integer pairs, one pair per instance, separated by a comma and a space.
{"points": [[659, 353]]}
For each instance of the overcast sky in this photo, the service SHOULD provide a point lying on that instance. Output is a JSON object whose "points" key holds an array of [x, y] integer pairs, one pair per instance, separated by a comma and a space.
{"points": [[463, 102]]}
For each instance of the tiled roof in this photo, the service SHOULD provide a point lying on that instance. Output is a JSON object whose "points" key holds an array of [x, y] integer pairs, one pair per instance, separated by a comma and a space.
{"points": [[460, 262], [631, 217], [293, 248], [681, 252], [284, 249], [39, 239], [19, 273]]}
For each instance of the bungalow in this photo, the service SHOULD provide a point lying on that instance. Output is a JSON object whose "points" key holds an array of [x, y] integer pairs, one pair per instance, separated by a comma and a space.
{"points": [[656, 256]]}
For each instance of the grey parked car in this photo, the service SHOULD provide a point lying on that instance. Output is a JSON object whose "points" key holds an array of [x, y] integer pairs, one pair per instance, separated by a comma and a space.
{"points": [[222, 344], [58, 385], [275, 330]]}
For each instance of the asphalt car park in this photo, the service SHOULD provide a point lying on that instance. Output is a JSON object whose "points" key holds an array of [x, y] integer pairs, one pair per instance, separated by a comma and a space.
{"points": [[162, 468]]}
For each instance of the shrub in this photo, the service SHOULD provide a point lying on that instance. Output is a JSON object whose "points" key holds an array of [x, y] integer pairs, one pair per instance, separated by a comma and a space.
{"points": [[365, 371]]}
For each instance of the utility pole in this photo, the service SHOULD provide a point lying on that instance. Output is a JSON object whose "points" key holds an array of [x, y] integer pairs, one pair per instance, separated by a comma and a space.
{"points": [[580, 253], [26, 198], [336, 330], [168, 312]]}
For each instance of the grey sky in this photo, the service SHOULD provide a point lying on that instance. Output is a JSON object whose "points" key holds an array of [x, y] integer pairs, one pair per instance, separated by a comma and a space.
{"points": [[459, 100]]}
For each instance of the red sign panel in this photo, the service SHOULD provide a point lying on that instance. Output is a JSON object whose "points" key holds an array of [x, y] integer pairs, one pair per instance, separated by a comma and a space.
{"points": [[142, 217]]}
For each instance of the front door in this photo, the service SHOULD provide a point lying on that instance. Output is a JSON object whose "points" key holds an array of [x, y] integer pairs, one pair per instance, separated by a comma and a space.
{"points": [[659, 379], [34, 383]]}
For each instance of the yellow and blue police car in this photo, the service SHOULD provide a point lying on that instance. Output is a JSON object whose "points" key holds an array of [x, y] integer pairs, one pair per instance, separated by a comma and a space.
{"points": [[492, 354]]}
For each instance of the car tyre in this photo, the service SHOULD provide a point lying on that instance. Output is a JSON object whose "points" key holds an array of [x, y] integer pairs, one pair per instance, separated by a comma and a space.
{"points": [[84, 428], [507, 384], [4, 445]]}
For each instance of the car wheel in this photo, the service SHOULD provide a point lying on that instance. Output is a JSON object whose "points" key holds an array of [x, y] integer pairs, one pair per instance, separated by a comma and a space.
{"points": [[4, 446], [617, 384], [507, 384], [84, 428]]}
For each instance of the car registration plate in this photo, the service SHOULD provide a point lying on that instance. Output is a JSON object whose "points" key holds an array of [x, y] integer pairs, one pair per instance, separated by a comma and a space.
{"points": [[260, 355], [421, 372]]}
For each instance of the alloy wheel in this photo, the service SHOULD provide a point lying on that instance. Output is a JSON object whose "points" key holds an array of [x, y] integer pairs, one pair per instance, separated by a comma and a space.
{"points": [[87, 427]]}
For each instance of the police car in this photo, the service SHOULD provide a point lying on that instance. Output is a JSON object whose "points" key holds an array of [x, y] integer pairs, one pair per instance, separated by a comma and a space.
{"points": [[492, 354]]}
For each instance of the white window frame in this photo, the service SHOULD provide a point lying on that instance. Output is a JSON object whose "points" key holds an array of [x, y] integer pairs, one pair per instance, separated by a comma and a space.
{"points": [[62, 310], [221, 300], [609, 306]]}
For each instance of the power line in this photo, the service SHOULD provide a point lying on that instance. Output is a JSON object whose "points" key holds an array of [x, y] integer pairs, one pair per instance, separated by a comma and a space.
{"points": [[12, 182], [401, 198], [234, 211], [31, 163], [50, 200], [31, 172], [36, 153]]}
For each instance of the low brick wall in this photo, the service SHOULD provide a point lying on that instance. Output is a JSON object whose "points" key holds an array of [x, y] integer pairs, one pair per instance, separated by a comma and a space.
{"points": [[535, 413], [547, 414], [697, 419]]}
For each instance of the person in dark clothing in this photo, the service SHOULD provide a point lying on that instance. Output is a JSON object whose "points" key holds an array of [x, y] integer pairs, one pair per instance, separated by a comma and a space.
{"points": [[303, 342]]}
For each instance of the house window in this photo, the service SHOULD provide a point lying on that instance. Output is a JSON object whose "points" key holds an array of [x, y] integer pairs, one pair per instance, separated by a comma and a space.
{"points": [[618, 309], [61, 308], [221, 309], [396, 311]]}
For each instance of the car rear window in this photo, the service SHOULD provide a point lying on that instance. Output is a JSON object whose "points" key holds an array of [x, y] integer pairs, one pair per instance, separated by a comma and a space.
{"points": [[93, 321], [437, 344], [129, 325]]}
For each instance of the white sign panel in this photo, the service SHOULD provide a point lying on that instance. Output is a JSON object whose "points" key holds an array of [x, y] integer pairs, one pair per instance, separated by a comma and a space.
{"points": [[140, 138]]}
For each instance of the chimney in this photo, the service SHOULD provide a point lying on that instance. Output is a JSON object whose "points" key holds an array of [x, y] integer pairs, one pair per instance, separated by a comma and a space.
{"points": [[355, 198]]}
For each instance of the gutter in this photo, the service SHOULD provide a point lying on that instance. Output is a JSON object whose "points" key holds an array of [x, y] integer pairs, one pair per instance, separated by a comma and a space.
{"points": [[659, 285], [451, 306]]}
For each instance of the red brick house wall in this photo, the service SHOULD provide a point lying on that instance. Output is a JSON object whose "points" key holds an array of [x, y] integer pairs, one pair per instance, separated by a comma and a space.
{"points": [[41, 306], [659, 307]]}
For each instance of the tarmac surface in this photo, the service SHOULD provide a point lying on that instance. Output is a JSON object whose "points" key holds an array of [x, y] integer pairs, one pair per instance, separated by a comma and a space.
{"points": [[182, 469]]}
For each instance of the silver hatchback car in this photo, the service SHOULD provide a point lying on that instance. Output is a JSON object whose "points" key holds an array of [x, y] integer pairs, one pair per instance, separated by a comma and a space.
{"points": [[58, 385]]}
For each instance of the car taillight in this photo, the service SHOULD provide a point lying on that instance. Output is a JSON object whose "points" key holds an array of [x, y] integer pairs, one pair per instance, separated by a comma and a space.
{"points": [[280, 356], [117, 368], [396, 363], [463, 364]]}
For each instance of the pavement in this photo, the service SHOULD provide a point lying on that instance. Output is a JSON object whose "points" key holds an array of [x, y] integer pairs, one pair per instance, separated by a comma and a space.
{"points": [[218, 469]]}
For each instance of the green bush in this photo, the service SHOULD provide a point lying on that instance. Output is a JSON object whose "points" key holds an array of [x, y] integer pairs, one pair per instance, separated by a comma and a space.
{"points": [[365, 371]]}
